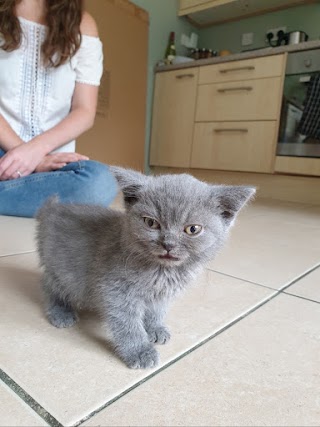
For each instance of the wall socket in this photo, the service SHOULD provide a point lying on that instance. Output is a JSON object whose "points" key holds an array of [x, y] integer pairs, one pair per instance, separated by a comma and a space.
{"points": [[247, 39], [275, 32]]}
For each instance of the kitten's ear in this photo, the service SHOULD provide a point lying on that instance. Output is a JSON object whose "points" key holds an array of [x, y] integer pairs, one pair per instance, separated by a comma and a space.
{"points": [[130, 182], [232, 199]]}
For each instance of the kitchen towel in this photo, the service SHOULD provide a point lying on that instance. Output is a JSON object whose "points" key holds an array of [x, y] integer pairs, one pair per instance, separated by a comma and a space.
{"points": [[310, 121]]}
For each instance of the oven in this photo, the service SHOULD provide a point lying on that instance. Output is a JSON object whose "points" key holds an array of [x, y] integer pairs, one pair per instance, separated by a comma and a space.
{"points": [[299, 133]]}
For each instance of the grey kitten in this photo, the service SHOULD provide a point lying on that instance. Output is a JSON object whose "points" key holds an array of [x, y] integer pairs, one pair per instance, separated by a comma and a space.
{"points": [[128, 265]]}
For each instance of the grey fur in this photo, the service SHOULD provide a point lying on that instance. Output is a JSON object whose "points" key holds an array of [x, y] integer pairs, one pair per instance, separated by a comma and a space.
{"points": [[109, 260]]}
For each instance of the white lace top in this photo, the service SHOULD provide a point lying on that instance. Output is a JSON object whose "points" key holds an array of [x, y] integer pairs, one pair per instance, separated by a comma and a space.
{"points": [[34, 98]]}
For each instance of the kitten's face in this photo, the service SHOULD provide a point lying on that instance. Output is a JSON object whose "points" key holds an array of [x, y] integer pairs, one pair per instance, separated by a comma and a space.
{"points": [[172, 226], [175, 219]]}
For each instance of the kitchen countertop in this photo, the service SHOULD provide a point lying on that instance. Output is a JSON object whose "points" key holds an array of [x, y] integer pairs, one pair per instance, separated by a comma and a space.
{"points": [[268, 51]]}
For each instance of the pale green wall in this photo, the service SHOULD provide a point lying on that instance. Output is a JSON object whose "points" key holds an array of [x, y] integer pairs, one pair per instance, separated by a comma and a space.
{"points": [[228, 36], [163, 19]]}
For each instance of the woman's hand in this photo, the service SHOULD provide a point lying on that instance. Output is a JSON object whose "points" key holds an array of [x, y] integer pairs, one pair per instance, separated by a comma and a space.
{"points": [[27, 158], [56, 161], [20, 161]]}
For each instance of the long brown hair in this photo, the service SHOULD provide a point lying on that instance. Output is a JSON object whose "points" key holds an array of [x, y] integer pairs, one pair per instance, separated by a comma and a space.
{"points": [[63, 18]]}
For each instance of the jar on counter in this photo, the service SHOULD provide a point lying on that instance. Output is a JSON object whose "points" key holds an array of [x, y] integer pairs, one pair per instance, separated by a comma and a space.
{"points": [[203, 53], [195, 54]]}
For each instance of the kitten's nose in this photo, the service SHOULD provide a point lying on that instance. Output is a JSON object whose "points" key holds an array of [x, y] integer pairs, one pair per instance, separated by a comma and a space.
{"points": [[168, 246]]}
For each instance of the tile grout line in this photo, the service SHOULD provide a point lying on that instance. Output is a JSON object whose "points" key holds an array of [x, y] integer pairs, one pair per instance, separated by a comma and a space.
{"points": [[242, 280], [18, 253], [181, 356], [224, 328], [300, 297], [33, 404], [281, 289], [298, 278]]}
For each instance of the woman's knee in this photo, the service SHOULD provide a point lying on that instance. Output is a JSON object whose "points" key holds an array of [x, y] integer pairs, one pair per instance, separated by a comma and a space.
{"points": [[100, 184]]}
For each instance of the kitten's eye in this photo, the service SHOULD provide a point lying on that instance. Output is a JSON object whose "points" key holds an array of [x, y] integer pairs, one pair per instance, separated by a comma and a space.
{"points": [[151, 223], [192, 230]]}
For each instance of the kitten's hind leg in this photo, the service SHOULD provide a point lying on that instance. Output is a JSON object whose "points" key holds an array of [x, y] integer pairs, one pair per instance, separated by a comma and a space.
{"points": [[60, 314]]}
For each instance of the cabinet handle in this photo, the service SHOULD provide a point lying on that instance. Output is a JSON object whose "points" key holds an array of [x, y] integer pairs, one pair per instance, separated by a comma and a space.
{"points": [[182, 76], [231, 89], [227, 70], [243, 130]]}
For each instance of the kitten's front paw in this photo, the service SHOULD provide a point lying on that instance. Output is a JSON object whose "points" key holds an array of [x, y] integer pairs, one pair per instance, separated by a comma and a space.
{"points": [[146, 358], [159, 335]]}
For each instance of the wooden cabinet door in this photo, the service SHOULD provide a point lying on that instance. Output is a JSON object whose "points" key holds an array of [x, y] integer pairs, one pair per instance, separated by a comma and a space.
{"points": [[237, 146], [173, 117], [206, 13]]}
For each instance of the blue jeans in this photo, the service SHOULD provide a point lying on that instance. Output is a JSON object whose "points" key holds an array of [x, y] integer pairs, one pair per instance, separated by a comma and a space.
{"points": [[86, 182]]}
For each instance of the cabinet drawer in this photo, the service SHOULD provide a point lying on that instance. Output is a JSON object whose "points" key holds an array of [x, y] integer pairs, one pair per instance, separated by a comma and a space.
{"points": [[243, 100], [248, 69], [245, 146]]}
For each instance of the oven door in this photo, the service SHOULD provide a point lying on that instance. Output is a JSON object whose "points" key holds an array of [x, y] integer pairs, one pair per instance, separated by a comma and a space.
{"points": [[298, 150]]}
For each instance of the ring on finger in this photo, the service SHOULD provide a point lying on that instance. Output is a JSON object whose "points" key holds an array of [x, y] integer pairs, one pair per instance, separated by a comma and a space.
{"points": [[19, 173]]}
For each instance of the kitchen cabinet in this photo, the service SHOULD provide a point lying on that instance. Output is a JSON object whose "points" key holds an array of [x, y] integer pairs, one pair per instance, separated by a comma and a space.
{"points": [[247, 69], [298, 165], [173, 117], [255, 84], [205, 13], [237, 120], [258, 100], [237, 146], [222, 116], [185, 4]]}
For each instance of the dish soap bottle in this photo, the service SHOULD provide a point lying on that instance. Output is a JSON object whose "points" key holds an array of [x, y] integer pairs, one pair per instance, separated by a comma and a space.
{"points": [[171, 49]]}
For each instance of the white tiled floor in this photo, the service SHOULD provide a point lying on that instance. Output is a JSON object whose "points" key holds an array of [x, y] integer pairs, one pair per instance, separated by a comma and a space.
{"points": [[273, 245], [308, 287], [242, 352], [15, 412]]}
